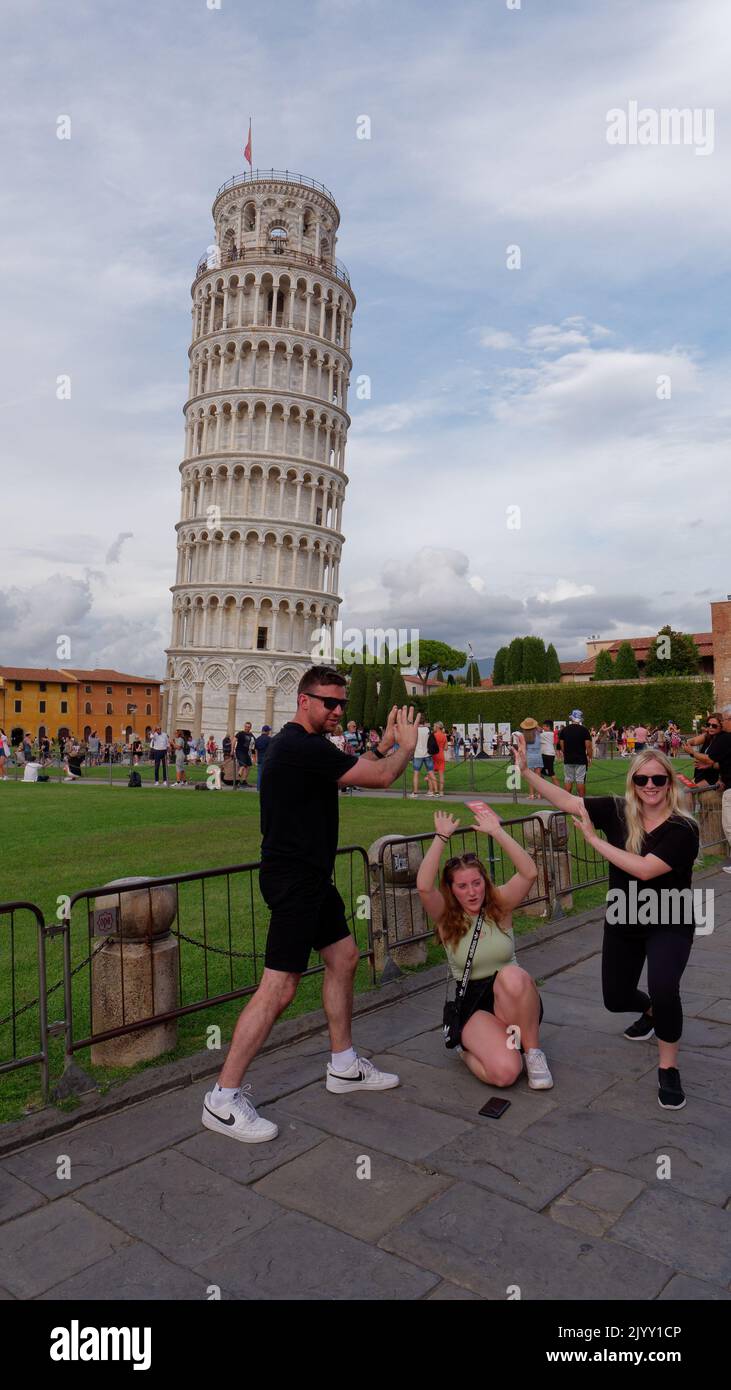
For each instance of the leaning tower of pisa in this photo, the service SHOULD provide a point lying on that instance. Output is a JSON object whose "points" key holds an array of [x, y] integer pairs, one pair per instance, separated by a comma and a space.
{"points": [[263, 476]]}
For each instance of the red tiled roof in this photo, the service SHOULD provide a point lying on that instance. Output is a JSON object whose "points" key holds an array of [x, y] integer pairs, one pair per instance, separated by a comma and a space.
{"points": [[36, 673], [100, 673], [702, 640]]}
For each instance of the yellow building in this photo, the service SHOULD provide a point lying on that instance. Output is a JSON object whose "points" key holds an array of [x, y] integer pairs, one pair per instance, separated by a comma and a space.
{"points": [[38, 701]]}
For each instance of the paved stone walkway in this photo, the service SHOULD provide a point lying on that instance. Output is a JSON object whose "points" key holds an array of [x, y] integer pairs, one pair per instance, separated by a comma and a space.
{"points": [[560, 1197]]}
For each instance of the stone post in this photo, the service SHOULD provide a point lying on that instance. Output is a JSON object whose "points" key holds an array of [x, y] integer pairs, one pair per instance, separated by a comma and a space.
{"points": [[136, 974], [554, 872], [396, 912]]}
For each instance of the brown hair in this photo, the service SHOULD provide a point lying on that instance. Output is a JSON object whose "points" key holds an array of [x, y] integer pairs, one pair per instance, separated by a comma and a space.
{"points": [[319, 675], [456, 922]]}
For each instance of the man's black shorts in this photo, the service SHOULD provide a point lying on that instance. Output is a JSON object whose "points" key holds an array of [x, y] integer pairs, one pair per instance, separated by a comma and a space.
{"points": [[548, 762], [306, 916]]}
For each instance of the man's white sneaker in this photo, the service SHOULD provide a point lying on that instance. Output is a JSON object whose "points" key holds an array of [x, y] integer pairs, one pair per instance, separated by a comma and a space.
{"points": [[727, 869], [361, 1076], [539, 1077], [237, 1119]]}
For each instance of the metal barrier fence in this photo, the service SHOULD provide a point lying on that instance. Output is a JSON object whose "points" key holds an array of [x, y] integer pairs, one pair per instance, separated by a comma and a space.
{"points": [[707, 811], [219, 921], [21, 939], [403, 919]]}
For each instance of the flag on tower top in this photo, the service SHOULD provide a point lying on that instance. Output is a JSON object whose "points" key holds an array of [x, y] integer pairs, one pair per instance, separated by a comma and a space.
{"points": [[247, 150]]}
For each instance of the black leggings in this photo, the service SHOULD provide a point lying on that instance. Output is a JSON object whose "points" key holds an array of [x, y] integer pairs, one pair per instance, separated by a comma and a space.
{"points": [[623, 956]]}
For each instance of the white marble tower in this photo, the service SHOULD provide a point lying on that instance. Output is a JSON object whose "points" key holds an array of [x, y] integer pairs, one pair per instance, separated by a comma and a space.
{"points": [[263, 476]]}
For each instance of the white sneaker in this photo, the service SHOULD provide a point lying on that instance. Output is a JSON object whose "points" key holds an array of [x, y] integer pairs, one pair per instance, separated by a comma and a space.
{"points": [[727, 869], [539, 1077], [413, 795], [237, 1118], [361, 1076]]}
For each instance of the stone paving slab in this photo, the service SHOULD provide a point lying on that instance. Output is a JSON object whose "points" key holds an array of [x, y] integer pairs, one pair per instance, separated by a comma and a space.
{"points": [[107, 1145], [380, 1120], [638, 1100], [43, 1247], [454, 1090], [16, 1197], [386, 1027], [670, 1226], [136, 1271], [451, 1293], [181, 1207], [488, 1243], [575, 986], [699, 1159], [605, 1191], [298, 1258], [719, 1010], [324, 1183], [247, 1163], [597, 1050], [511, 1166], [692, 1290]]}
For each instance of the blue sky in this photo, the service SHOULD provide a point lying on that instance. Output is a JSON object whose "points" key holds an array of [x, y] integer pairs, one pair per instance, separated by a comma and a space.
{"points": [[491, 388]]}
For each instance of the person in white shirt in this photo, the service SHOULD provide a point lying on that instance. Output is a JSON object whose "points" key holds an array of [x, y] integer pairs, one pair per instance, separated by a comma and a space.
{"points": [[548, 751], [423, 759], [159, 743]]}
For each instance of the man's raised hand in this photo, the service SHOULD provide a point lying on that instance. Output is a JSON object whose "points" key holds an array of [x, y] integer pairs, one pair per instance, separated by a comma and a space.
{"points": [[406, 728]]}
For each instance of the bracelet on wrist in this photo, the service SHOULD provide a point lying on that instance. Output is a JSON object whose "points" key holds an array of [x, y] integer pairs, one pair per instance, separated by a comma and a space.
{"points": [[445, 838]]}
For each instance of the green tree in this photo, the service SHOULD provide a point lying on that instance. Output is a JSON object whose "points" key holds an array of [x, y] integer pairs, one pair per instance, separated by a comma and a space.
{"points": [[553, 665], [370, 702], [434, 654], [472, 678], [356, 693], [499, 664], [514, 664], [384, 694], [625, 666], [672, 654], [533, 665], [398, 689], [603, 667]]}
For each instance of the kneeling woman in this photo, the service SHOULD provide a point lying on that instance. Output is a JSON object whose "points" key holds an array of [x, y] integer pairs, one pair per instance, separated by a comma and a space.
{"points": [[500, 997]]}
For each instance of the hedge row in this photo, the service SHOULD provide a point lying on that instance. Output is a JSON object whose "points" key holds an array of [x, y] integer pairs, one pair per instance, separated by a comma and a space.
{"points": [[647, 702]]}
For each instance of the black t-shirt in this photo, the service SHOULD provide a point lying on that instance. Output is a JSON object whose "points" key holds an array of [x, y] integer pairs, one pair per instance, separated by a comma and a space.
{"points": [[299, 803], [706, 774], [675, 841], [720, 750], [574, 738], [243, 744]]}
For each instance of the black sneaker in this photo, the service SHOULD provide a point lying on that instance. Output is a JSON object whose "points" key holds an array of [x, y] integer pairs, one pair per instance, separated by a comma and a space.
{"points": [[643, 1028], [670, 1094]]}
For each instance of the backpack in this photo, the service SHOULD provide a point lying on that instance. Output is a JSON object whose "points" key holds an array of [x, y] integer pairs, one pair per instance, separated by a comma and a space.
{"points": [[134, 780], [432, 746]]}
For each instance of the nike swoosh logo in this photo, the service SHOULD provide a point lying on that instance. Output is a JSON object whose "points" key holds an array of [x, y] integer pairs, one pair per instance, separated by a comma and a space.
{"points": [[359, 1077], [230, 1121]]}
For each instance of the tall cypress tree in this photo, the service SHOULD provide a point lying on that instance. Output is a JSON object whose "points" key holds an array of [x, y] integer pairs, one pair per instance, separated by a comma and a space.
{"points": [[553, 666], [398, 689], [514, 664], [356, 693], [603, 667], [625, 666], [534, 661], [370, 703], [384, 694], [498, 669]]}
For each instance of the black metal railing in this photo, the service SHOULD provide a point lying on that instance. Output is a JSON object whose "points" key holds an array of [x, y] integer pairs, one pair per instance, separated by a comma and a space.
{"points": [[23, 1019], [281, 175]]}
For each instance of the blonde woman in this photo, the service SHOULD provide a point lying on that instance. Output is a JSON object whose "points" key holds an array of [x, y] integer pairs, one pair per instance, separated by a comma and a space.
{"points": [[500, 996], [651, 840]]}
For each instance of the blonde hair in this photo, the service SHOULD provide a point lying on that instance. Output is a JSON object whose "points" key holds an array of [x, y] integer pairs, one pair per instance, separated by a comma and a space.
{"points": [[633, 805]]}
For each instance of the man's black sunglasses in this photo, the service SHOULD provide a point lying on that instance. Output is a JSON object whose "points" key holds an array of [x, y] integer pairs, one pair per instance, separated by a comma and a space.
{"points": [[659, 779], [328, 701]]}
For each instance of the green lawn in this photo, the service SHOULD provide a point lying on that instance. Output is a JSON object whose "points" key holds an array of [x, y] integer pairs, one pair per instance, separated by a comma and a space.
{"points": [[60, 839]]}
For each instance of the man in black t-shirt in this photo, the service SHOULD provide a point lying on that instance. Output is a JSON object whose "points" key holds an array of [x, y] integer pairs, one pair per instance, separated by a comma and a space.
{"points": [[299, 820], [244, 745], [575, 747]]}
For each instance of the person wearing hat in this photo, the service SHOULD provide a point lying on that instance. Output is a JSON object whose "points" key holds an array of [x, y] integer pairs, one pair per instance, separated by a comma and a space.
{"points": [[260, 747], [576, 748], [532, 736]]}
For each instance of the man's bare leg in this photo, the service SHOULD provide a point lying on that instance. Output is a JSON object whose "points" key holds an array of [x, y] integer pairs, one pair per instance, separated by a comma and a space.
{"points": [[276, 991], [341, 963]]}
